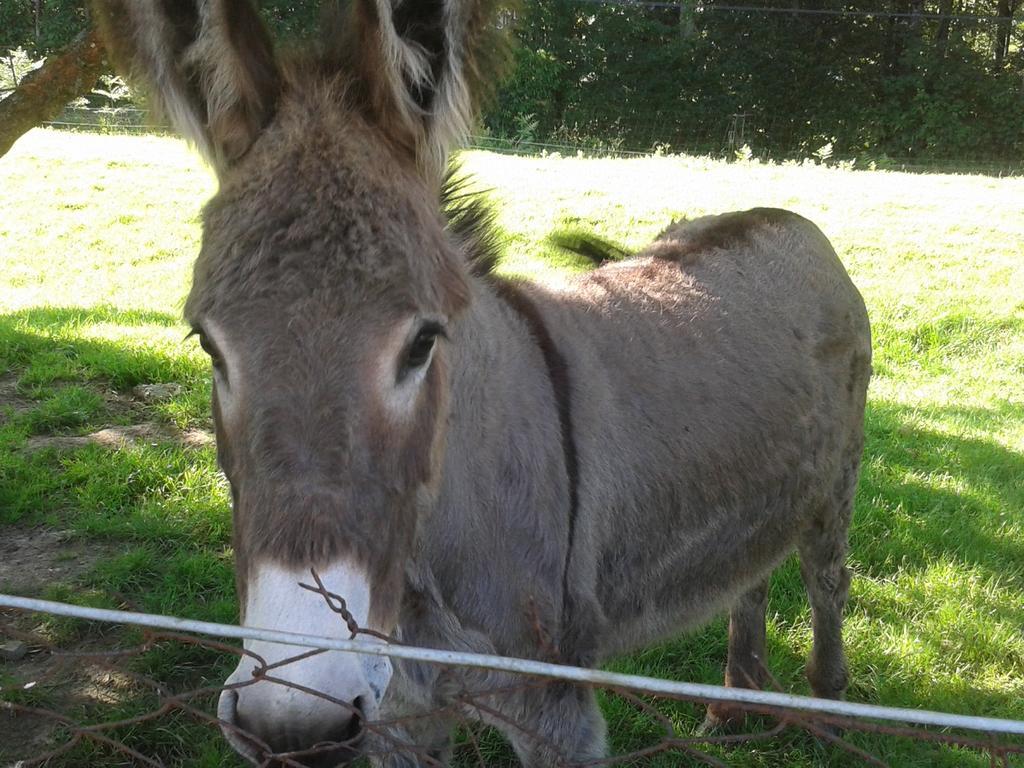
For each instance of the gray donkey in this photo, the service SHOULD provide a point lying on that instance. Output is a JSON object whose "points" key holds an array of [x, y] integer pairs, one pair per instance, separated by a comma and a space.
{"points": [[471, 462]]}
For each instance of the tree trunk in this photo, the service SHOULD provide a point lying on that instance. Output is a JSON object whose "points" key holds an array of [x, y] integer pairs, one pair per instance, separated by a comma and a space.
{"points": [[936, 63], [42, 93], [916, 9], [945, 24], [1005, 10], [893, 40]]}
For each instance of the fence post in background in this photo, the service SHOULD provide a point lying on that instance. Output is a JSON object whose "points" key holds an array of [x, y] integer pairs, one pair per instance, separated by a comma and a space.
{"points": [[736, 136]]}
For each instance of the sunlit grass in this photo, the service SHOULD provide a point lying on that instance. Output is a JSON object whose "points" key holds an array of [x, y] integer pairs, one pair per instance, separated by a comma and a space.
{"points": [[96, 245]]}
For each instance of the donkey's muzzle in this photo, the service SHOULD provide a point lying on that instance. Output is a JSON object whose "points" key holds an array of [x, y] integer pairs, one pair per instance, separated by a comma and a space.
{"points": [[316, 742], [313, 705]]}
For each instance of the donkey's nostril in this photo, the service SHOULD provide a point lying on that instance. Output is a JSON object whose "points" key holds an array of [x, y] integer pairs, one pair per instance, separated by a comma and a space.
{"points": [[339, 746], [347, 733], [324, 744], [353, 730]]}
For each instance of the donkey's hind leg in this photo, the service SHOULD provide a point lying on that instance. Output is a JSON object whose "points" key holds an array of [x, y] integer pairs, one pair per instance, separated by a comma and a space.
{"points": [[823, 551], [744, 665]]}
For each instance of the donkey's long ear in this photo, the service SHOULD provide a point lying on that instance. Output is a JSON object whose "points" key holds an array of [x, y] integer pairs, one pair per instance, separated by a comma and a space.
{"points": [[428, 64], [208, 65]]}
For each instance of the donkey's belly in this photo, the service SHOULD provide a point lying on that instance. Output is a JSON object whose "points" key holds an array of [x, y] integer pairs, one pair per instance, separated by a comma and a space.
{"points": [[653, 587]]}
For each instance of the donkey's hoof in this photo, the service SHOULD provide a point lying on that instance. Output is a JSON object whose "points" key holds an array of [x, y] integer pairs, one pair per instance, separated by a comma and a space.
{"points": [[721, 718]]}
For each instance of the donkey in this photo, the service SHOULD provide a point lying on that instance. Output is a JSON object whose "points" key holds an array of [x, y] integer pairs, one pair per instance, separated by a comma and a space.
{"points": [[475, 463]]}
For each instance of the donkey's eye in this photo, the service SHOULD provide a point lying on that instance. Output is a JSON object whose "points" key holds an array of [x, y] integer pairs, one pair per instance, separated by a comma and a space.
{"points": [[209, 348], [419, 351]]}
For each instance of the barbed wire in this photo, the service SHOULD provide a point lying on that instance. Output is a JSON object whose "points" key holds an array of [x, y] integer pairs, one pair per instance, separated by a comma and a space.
{"points": [[711, 7], [885, 162], [467, 704]]}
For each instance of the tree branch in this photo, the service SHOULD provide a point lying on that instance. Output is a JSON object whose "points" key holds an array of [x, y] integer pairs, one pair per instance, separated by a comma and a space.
{"points": [[42, 93]]}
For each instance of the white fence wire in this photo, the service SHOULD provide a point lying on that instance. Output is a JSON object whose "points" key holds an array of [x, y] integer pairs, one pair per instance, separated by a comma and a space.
{"points": [[657, 686]]}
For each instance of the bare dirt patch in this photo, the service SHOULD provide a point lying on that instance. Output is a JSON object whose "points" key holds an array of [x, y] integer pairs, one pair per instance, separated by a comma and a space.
{"points": [[9, 398], [32, 559], [117, 437], [129, 408], [63, 683]]}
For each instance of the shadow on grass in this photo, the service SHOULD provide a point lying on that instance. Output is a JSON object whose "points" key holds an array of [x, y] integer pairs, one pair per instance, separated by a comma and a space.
{"points": [[51, 344], [927, 494], [154, 492]]}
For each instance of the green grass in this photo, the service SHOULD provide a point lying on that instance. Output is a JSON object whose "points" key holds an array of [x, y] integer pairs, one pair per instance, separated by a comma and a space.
{"points": [[96, 243]]}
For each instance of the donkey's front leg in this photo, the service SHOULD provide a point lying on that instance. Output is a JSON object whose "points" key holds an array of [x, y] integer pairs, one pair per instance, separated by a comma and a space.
{"points": [[423, 741], [555, 724]]}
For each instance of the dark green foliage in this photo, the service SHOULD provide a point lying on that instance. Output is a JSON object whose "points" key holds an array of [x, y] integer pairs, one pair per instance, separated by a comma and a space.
{"points": [[288, 19], [786, 84], [619, 76], [56, 22]]}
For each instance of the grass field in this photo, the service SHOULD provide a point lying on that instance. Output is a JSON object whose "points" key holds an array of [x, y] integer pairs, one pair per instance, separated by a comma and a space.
{"points": [[97, 237]]}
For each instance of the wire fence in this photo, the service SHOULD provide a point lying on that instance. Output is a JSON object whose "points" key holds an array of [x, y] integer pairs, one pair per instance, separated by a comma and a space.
{"points": [[469, 700], [726, 137]]}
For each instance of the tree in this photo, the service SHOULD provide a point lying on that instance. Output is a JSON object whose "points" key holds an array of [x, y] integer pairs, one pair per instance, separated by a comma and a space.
{"points": [[42, 93], [41, 26]]}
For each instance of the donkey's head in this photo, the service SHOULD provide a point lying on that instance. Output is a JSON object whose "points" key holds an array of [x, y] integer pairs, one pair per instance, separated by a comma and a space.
{"points": [[323, 293]]}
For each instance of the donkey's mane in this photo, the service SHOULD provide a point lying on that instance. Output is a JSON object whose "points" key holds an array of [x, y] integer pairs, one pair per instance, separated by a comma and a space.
{"points": [[471, 221]]}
